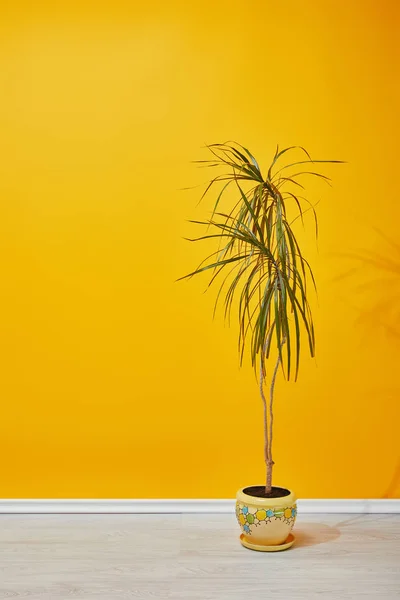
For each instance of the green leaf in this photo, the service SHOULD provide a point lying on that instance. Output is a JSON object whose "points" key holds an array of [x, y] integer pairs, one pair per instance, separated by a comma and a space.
{"points": [[251, 211], [281, 153], [212, 266], [303, 162]]}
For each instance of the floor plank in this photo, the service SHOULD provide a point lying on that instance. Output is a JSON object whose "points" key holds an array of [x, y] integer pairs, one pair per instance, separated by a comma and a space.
{"points": [[196, 557]]}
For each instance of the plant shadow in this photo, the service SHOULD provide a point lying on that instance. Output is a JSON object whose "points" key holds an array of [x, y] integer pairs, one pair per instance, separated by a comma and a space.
{"points": [[394, 484], [375, 285], [311, 534]]}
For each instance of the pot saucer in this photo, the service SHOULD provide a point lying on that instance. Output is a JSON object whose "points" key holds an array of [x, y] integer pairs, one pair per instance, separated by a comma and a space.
{"points": [[277, 548]]}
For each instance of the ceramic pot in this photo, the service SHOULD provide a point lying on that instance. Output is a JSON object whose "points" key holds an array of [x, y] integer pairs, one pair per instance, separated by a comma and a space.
{"points": [[265, 522]]}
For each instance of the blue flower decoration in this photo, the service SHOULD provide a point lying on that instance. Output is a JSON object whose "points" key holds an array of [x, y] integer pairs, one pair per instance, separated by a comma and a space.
{"points": [[270, 513], [246, 528], [294, 511], [245, 510]]}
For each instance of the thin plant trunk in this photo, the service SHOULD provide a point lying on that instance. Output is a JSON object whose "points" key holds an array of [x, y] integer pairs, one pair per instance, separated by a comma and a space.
{"points": [[266, 441], [269, 421]]}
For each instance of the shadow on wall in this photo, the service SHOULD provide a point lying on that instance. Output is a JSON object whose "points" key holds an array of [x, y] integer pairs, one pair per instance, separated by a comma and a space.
{"points": [[376, 298], [394, 484], [376, 278]]}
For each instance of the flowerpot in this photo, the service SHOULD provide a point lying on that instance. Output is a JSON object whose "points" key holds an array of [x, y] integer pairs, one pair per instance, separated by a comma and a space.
{"points": [[266, 522]]}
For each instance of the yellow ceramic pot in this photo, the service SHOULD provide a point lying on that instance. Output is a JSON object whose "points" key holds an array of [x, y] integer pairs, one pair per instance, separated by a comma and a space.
{"points": [[265, 521]]}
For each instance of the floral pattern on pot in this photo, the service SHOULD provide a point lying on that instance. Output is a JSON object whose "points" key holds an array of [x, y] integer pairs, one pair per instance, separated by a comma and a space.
{"points": [[250, 516]]}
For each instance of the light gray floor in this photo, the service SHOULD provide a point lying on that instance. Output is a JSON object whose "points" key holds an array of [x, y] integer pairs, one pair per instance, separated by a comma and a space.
{"points": [[113, 557]]}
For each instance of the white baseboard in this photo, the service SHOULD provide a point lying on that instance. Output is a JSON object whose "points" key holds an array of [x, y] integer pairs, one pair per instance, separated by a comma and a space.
{"points": [[48, 506]]}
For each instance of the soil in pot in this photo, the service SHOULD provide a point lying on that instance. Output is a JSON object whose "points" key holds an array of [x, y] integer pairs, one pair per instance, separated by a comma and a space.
{"points": [[258, 491]]}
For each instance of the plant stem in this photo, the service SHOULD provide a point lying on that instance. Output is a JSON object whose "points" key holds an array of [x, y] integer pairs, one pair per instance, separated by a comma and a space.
{"points": [[262, 380], [269, 434], [266, 443]]}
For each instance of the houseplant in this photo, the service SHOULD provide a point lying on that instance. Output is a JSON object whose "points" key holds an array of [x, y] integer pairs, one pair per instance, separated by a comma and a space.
{"points": [[265, 276]]}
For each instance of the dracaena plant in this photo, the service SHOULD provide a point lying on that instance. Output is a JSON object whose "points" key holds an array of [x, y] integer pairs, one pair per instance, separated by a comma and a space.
{"points": [[258, 261]]}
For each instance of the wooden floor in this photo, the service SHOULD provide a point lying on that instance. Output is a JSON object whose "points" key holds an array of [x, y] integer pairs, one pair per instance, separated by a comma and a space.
{"points": [[105, 557]]}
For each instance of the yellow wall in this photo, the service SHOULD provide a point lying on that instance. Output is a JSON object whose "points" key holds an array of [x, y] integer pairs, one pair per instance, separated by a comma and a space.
{"points": [[114, 380]]}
